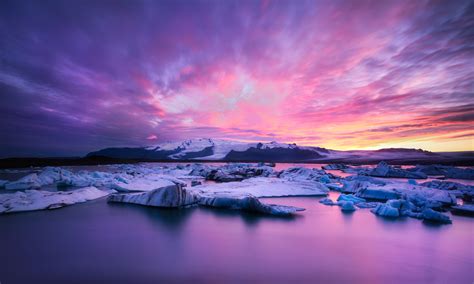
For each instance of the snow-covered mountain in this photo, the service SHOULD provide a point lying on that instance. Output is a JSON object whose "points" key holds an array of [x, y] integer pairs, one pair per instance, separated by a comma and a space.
{"points": [[225, 150], [215, 149]]}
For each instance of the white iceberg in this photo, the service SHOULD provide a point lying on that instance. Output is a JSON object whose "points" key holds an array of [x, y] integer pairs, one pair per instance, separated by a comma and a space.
{"points": [[246, 202], [40, 199], [171, 195], [386, 210], [379, 194], [350, 197], [267, 187], [177, 196], [385, 170], [26, 182], [147, 182], [304, 174]]}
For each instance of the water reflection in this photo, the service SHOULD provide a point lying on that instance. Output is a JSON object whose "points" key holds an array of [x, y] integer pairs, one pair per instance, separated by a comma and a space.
{"points": [[89, 241], [170, 218]]}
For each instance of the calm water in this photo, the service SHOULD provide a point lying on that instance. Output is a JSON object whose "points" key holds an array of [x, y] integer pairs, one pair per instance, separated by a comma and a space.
{"points": [[100, 242]]}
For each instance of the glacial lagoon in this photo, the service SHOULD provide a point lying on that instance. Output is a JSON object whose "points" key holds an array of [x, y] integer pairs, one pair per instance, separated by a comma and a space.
{"points": [[98, 241]]}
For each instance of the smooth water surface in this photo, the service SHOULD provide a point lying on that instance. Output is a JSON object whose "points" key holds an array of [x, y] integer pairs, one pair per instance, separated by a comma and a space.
{"points": [[98, 242]]}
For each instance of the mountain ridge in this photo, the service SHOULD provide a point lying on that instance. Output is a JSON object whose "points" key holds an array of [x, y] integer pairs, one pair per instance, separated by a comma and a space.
{"points": [[226, 150]]}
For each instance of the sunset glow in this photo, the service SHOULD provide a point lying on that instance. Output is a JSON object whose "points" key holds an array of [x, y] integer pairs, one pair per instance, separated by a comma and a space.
{"points": [[77, 76]]}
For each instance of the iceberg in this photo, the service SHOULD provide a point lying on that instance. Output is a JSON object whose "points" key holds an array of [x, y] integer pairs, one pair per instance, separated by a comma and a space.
{"points": [[447, 185], [387, 171], [246, 202], [177, 196], [335, 167], [173, 195], [327, 201], [379, 194], [347, 206], [267, 187], [386, 210], [466, 192], [232, 172], [465, 209], [436, 217], [39, 199], [3, 182], [142, 184], [146, 182], [305, 174], [446, 171], [351, 198], [26, 182], [364, 205]]}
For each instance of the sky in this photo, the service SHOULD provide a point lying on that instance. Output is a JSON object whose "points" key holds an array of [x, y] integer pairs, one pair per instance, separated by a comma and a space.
{"points": [[80, 75]]}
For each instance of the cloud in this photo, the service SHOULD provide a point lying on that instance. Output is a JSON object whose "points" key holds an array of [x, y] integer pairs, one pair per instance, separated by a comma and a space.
{"points": [[84, 75]]}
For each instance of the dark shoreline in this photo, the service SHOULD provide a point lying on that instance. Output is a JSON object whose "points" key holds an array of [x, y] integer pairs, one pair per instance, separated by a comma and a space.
{"points": [[78, 161]]}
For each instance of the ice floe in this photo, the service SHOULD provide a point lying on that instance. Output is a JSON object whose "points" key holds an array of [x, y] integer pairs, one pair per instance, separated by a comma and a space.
{"points": [[246, 202], [177, 196], [386, 210], [446, 171], [387, 171], [26, 182], [30, 200], [267, 187], [436, 217], [347, 206], [335, 167], [171, 195]]}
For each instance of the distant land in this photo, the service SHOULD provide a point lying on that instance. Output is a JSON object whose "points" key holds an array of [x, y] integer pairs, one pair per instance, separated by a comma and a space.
{"points": [[213, 150]]}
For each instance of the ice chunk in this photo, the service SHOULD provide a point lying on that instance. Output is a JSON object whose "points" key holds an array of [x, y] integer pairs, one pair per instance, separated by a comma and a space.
{"points": [[3, 182], [350, 197], [173, 195], [39, 199], [447, 185], [386, 210], [246, 202], [378, 194], [305, 174], [335, 167], [404, 206], [434, 216], [385, 170], [347, 206], [177, 196], [142, 184], [364, 205], [267, 187], [232, 172], [353, 184], [26, 182], [447, 171], [327, 201]]}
